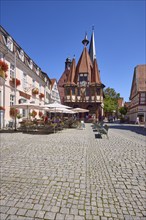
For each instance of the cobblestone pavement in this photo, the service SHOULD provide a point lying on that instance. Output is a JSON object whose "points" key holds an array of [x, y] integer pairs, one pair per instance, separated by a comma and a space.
{"points": [[71, 175]]}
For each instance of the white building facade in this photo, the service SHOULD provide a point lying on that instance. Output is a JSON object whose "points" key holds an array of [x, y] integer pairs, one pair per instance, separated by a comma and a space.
{"points": [[55, 96], [137, 106], [25, 81]]}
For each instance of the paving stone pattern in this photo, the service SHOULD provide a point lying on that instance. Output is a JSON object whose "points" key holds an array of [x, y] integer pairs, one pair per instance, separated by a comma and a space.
{"points": [[71, 175]]}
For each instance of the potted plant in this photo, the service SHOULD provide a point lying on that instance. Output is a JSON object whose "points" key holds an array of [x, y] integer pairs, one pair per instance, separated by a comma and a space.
{"points": [[17, 81], [33, 113], [18, 116], [2, 108], [13, 112], [41, 95], [40, 114], [3, 69]]}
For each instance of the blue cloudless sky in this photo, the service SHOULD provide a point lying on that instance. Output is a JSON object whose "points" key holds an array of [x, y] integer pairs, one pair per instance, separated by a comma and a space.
{"points": [[50, 31]]}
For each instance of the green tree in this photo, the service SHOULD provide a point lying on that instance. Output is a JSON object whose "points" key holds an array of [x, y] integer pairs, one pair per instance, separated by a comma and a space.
{"points": [[110, 100], [123, 110]]}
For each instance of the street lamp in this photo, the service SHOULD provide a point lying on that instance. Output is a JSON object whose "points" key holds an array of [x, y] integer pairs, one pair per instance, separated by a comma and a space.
{"points": [[3, 116], [102, 106], [15, 86]]}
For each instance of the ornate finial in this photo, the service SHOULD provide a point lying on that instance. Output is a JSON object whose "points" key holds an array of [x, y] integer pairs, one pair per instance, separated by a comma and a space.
{"points": [[85, 41]]}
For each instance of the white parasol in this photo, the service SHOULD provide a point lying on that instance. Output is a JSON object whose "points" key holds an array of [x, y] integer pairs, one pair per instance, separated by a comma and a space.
{"points": [[55, 105], [27, 106], [77, 110]]}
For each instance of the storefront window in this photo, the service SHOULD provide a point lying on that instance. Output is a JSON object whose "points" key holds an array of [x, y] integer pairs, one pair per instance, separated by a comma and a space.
{"points": [[67, 91], [98, 91], [73, 90], [92, 91]]}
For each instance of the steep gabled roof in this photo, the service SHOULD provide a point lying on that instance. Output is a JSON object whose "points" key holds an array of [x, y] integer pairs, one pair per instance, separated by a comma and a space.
{"points": [[71, 75], [92, 51], [64, 77], [45, 75], [52, 82], [62, 81], [139, 80], [84, 64], [95, 77]]}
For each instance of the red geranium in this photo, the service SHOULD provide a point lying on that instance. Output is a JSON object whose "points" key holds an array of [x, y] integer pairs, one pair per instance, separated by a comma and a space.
{"points": [[2, 108], [33, 113], [40, 114], [41, 95], [17, 81], [3, 66], [13, 112]]}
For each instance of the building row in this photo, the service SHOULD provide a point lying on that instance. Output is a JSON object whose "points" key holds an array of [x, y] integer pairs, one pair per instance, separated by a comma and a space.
{"points": [[79, 85], [24, 81], [137, 104]]}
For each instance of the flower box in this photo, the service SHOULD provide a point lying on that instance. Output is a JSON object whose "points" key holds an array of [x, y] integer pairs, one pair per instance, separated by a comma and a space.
{"points": [[18, 83], [3, 69], [40, 114], [35, 91], [3, 66], [33, 113], [13, 112], [2, 108], [3, 74], [41, 95]]}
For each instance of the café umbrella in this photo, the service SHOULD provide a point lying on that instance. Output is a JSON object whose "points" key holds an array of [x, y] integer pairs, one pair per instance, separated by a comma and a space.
{"points": [[27, 106], [77, 110], [80, 110], [55, 105], [59, 110]]}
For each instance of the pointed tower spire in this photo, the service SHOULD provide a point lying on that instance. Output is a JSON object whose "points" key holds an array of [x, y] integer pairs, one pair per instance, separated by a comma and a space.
{"points": [[85, 41], [92, 51], [71, 75]]}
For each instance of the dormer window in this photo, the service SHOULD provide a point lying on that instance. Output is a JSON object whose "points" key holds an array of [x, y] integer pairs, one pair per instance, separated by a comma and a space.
{"points": [[37, 70], [10, 43], [31, 64], [21, 55], [33, 83], [1, 56], [83, 79]]}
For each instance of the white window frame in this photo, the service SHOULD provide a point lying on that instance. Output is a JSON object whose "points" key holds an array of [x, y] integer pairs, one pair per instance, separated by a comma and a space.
{"points": [[24, 80], [33, 83], [10, 43], [12, 70], [21, 55], [12, 99]]}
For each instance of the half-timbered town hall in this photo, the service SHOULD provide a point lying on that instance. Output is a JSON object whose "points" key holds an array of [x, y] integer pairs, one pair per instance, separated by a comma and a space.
{"points": [[80, 84]]}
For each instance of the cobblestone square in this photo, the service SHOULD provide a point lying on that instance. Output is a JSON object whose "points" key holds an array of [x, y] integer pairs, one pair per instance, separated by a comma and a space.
{"points": [[73, 175]]}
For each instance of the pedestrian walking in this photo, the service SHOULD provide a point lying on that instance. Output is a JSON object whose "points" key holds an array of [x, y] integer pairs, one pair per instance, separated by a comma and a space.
{"points": [[137, 121]]}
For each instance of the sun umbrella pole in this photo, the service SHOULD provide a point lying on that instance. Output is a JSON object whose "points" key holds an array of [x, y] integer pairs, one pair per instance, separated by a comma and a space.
{"points": [[54, 120]]}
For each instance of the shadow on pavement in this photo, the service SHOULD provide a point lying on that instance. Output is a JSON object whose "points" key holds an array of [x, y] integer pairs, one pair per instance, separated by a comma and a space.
{"points": [[98, 136], [131, 127]]}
